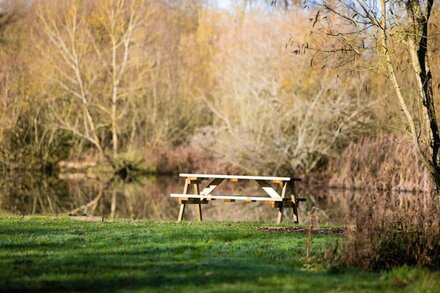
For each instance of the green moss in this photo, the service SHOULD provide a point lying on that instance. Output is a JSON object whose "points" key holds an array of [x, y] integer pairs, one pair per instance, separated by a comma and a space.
{"points": [[44, 253]]}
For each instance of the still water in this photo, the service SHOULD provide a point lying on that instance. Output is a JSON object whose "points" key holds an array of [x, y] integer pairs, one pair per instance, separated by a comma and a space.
{"points": [[148, 198]]}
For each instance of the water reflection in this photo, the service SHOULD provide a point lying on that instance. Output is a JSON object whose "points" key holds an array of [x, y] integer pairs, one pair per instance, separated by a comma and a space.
{"points": [[148, 198]]}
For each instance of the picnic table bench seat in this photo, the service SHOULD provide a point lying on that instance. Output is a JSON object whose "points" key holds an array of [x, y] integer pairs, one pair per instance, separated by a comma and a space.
{"points": [[284, 198]]}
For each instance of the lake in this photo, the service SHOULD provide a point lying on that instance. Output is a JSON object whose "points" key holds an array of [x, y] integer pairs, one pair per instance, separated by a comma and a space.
{"points": [[148, 198]]}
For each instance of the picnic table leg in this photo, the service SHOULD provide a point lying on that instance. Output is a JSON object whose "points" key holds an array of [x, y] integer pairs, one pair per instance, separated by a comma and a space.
{"points": [[295, 213], [199, 212], [182, 205], [199, 208], [283, 189], [295, 203], [181, 212], [280, 213]]}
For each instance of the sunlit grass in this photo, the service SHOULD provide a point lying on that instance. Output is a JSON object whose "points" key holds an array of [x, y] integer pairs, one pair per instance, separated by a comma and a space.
{"points": [[46, 253]]}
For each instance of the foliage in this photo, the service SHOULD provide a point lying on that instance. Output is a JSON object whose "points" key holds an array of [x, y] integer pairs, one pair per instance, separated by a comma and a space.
{"points": [[271, 114], [129, 165], [390, 230], [390, 31], [201, 88], [380, 163]]}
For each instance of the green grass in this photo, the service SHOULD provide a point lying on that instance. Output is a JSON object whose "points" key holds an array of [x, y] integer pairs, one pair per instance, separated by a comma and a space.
{"points": [[59, 254]]}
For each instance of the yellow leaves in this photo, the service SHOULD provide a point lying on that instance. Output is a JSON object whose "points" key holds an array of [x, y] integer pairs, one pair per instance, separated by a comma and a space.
{"points": [[287, 84]]}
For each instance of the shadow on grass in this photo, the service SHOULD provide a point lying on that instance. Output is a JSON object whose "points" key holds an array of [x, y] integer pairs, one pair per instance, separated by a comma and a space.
{"points": [[70, 256], [215, 273]]}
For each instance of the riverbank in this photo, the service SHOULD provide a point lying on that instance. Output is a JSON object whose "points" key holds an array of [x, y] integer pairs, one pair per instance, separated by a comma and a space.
{"points": [[59, 254]]}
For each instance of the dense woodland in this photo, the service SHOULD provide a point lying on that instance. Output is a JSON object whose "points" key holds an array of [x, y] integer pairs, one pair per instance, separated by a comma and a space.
{"points": [[186, 85], [342, 93]]}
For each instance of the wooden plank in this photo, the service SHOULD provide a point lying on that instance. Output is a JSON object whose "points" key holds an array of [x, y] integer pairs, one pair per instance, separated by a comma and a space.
{"points": [[235, 180], [211, 186], [213, 176], [269, 189], [235, 197], [193, 201]]}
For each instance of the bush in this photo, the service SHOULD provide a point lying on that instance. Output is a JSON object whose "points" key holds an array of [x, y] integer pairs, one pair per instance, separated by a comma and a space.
{"points": [[380, 163], [390, 230]]}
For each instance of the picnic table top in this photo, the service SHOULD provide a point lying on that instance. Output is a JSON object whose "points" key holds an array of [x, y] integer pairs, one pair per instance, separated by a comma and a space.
{"points": [[217, 176]]}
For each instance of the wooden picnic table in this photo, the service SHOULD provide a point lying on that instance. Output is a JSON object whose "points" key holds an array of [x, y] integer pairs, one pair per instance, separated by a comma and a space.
{"points": [[283, 195]]}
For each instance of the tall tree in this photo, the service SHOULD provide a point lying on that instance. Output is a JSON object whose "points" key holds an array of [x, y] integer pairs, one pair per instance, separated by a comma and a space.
{"points": [[98, 59], [387, 27]]}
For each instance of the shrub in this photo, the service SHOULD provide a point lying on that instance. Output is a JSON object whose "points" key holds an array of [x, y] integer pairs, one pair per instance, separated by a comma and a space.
{"points": [[380, 163], [389, 230]]}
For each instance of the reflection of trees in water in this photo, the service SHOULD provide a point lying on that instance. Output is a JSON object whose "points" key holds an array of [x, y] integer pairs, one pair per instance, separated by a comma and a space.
{"points": [[334, 205], [330, 205], [26, 194], [147, 198]]}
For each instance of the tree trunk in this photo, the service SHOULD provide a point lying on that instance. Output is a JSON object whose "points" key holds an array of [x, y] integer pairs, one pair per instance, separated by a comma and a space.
{"points": [[114, 98], [418, 49], [427, 140]]}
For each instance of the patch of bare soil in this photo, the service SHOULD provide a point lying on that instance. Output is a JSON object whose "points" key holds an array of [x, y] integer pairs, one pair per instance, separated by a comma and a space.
{"points": [[302, 230]]}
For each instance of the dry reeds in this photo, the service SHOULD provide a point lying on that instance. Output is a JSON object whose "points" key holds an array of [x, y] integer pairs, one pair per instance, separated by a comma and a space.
{"points": [[380, 163], [388, 230]]}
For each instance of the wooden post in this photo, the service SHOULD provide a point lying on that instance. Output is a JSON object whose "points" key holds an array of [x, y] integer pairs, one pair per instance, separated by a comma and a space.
{"points": [[199, 208], [182, 205]]}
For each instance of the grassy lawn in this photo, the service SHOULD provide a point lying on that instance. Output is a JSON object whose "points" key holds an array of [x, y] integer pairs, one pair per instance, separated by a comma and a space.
{"points": [[44, 253]]}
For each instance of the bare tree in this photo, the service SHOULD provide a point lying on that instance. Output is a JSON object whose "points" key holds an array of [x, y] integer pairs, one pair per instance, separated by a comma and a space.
{"points": [[359, 27], [261, 123], [96, 52]]}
